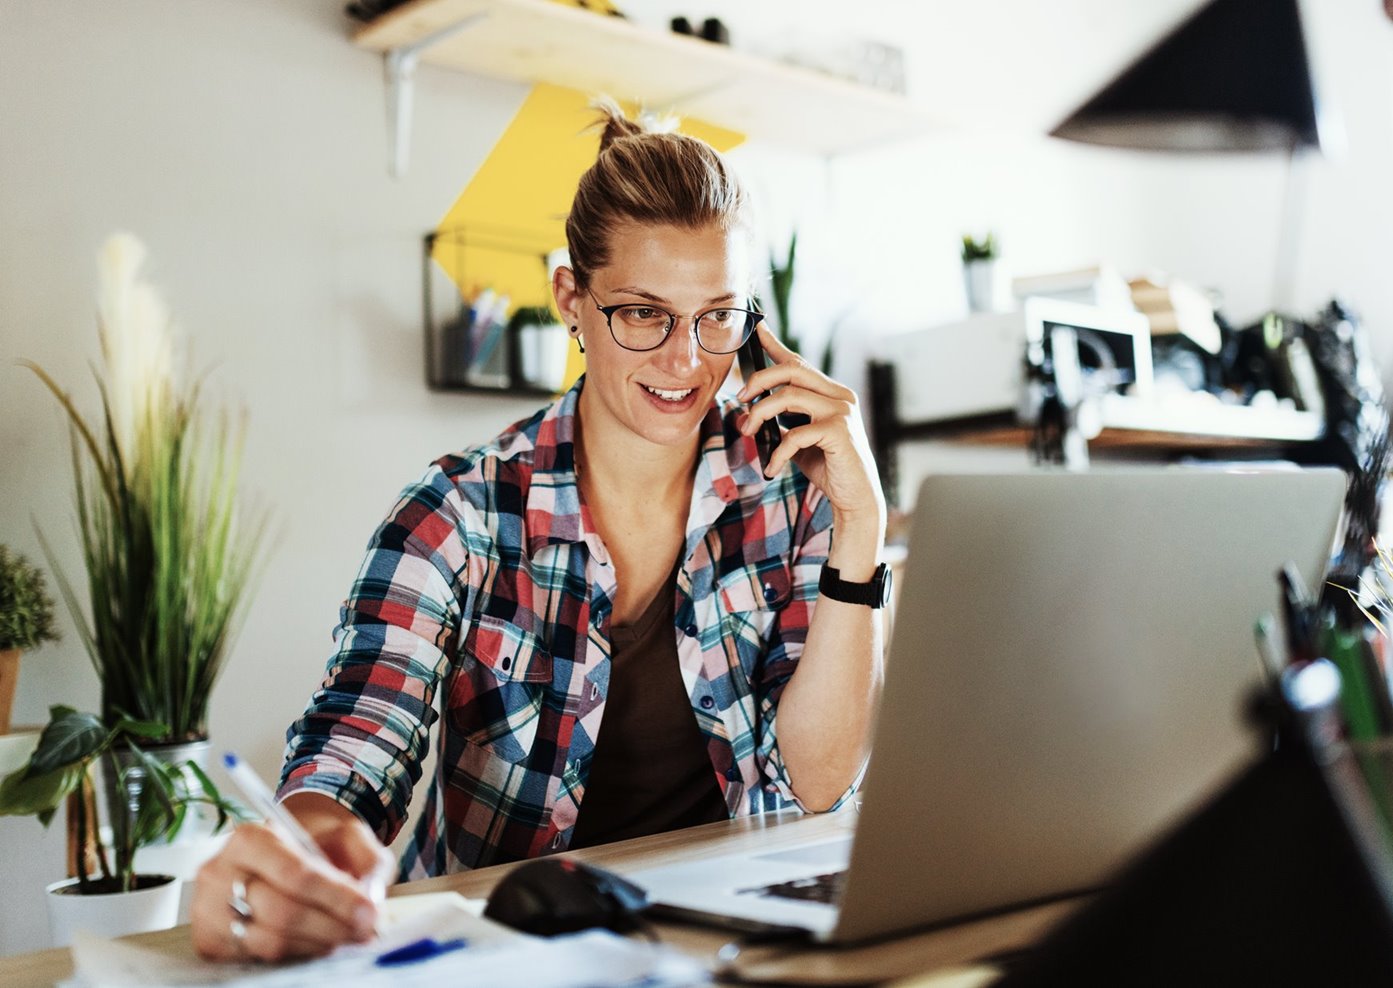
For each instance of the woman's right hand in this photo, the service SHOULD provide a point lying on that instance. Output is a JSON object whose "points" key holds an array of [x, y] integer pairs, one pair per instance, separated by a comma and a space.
{"points": [[263, 897]]}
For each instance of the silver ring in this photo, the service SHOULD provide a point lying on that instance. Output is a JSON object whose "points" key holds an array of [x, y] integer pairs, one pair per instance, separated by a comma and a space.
{"points": [[239, 905], [239, 930]]}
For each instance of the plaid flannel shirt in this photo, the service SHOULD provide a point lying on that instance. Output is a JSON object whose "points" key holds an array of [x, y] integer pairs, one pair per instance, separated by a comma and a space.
{"points": [[488, 582]]}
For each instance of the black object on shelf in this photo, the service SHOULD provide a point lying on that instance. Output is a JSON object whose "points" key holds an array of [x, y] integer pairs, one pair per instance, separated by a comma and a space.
{"points": [[486, 344], [715, 31], [366, 10]]}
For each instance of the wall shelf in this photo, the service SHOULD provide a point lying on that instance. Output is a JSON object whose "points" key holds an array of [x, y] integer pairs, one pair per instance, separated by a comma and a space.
{"points": [[532, 41], [1155, 429]]}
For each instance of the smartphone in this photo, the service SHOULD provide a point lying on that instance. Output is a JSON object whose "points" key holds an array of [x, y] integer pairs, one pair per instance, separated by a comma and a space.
{"points": [[753, 358]]}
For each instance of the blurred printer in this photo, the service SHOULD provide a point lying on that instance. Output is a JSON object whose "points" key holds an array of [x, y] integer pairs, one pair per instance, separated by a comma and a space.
{"points": [[976, 367]]}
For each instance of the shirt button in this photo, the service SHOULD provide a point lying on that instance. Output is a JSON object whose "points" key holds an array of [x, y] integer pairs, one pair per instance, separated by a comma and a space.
{"points": [[707, 703], [507, 662], [770, 593], [732, 775], [691, 630]]}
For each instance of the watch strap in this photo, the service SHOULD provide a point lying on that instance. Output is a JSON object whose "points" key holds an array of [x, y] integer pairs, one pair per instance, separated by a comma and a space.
{"points": [[871, 593]]}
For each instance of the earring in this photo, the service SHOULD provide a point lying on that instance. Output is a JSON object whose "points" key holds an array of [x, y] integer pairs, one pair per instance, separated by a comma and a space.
{"points": [[575, 331]]}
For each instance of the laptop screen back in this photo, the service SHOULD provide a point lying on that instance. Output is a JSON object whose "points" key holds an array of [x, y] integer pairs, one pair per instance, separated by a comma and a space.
{"points": [[1070, 660]]}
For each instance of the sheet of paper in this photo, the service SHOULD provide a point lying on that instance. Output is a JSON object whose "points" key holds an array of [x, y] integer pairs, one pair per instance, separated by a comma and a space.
{"points": [[496, 957], [594, 959], [123, 964]]}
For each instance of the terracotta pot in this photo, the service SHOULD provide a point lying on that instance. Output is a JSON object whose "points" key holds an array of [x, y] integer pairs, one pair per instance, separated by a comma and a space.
{"points": [[9, 679]]}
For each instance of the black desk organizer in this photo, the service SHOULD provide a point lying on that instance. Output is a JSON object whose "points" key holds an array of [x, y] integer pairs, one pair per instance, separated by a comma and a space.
{"points": [[448, 348], [1284, 878]]}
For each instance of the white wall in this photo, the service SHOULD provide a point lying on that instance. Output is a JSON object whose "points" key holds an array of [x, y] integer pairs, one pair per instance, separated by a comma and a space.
{"points": [[246, 143], [1212, 219]]}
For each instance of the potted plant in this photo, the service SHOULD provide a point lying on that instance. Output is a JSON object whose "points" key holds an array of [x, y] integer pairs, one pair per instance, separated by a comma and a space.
{"points": [[168, 554], [781, 287], [979, 271], [26, 622], [117, 900], [540, 346]]}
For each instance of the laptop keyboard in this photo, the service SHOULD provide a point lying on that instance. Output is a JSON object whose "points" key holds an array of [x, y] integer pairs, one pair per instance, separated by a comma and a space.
{"points": [[815, 888]]}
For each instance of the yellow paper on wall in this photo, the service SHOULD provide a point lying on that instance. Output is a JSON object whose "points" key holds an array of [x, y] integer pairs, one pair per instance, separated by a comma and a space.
{"points": [[512, 213]]}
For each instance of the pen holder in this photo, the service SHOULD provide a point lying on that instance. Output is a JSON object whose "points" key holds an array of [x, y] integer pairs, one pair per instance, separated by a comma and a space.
{"points": [[1283, 878]]}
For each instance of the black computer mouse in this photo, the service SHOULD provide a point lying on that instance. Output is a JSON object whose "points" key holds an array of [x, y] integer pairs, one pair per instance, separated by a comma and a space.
{"points": [[550, 896]]}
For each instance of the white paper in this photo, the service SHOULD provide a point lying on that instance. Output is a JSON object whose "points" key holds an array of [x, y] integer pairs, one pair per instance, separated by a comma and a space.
{"points": [[496, 957], [404, 919]]}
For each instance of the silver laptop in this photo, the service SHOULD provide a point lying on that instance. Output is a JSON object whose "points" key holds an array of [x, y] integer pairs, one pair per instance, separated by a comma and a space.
{"points": [[1069, 661]]}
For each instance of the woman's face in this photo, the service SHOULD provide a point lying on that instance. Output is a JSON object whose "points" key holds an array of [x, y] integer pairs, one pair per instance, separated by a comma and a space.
{"points": [[686, 272]]}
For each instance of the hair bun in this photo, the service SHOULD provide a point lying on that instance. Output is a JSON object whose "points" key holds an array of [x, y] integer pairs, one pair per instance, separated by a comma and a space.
{"points": [[616, 125]]}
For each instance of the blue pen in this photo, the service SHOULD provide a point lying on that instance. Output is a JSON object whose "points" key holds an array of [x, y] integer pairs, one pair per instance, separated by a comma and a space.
{"points": [[418, 950]]}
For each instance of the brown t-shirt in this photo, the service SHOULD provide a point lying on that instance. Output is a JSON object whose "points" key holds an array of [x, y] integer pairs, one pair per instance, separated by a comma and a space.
{"points": [[651, 771]]}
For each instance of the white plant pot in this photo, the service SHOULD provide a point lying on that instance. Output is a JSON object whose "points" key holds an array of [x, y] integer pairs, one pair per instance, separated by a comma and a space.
{"points": [[544, 351], [979, 278], [114, 914], [182, 859]]}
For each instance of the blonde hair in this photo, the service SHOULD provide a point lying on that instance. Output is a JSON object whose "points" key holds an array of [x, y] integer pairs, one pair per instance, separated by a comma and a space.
{"points": [[645, 173]]}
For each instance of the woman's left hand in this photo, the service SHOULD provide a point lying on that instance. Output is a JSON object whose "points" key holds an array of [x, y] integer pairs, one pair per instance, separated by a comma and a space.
{"points": [[833, 449]]}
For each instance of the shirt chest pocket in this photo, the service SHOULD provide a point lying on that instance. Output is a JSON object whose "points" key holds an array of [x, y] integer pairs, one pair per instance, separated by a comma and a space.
{"points": [[751, 597], [496, 698], [761, 586]]}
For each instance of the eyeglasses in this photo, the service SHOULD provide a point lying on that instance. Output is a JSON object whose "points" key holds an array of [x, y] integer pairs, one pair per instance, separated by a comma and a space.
{"points": [[639, 326]]}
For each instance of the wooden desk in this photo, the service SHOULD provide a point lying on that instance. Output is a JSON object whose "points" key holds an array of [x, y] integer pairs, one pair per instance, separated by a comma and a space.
{"points": [[946, 954]]}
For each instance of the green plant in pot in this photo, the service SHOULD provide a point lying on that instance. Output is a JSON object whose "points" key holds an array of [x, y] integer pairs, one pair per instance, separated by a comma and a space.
{"points": [[979, 271], [168, 552], [978, 250], [60, 766], [26, 622], [60, 770], [781, 287]]}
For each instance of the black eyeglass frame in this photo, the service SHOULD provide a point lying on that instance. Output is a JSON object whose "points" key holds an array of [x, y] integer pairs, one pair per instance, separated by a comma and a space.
{"points": [[752, 318]]}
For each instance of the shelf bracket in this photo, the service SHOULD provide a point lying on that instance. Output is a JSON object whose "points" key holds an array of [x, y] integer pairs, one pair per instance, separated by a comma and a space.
{"points": [[400, 65]]}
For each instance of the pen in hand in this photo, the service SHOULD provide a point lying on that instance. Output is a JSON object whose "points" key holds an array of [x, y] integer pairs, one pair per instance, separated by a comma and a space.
{"points": [[264, 802]]}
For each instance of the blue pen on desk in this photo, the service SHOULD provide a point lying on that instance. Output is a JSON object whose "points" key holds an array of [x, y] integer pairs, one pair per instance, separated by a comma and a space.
{"points": [[262, 800], [419, 950]]}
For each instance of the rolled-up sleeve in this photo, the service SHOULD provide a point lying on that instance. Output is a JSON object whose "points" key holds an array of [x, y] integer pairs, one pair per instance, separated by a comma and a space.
{"points": [[812, 542], [366, 730]]}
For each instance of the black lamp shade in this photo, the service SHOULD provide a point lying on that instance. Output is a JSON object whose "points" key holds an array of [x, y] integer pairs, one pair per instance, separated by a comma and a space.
{"points": [[1234, 77]]}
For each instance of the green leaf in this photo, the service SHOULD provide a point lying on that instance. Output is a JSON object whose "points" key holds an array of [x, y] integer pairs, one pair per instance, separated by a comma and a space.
{"points": [[71, 738], [148, 729], [39, 795], [160, 799], [228, 809]]}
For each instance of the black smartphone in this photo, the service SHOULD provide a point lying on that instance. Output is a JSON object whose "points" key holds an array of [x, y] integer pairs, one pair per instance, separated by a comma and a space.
{"points": [[753, 358]]}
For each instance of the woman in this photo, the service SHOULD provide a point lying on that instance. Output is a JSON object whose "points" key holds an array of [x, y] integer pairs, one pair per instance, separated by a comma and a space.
{"points": [[618, 560]]}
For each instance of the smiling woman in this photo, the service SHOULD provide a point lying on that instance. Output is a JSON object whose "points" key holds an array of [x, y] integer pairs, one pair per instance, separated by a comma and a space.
{"points": [[619, 608]]}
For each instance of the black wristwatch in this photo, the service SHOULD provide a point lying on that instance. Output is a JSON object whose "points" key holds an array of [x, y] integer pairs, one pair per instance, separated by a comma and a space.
{"points": [[876, 593]]}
